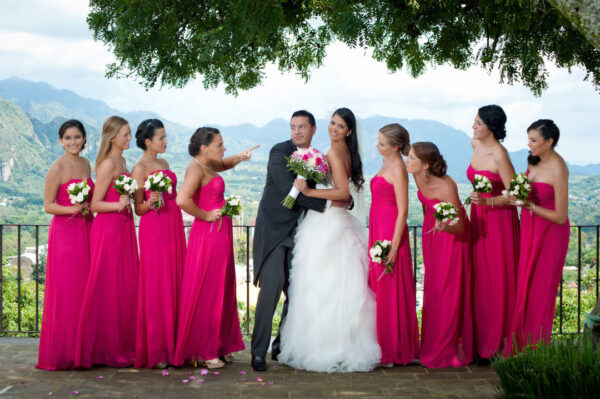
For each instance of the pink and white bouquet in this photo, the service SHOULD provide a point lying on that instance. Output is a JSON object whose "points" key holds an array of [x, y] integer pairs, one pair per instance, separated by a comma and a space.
{"points": [[379, 252], [79, 193], [158, 182], [308, 164], [125, 185], [446, 213], [520, 186], [481, 184]]}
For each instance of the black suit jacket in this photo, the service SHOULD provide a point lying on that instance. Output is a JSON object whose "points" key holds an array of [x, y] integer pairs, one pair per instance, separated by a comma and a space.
{"points": [[274, 221]]}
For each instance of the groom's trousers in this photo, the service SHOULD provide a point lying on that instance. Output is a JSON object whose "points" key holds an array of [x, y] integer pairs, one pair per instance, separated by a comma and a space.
{"points": [[273, 279]]}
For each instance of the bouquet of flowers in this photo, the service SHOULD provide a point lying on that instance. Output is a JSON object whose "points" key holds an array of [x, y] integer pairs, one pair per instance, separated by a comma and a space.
{"points": [[125, 185], [308, 164], [520, 186], [232, 207], [78, 193], [158, 182], [481, 184], [446, 213], [378, 252]]}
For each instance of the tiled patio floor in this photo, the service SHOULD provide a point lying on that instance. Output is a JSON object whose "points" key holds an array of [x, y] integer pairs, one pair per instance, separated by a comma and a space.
{"points": [[19, 379]]}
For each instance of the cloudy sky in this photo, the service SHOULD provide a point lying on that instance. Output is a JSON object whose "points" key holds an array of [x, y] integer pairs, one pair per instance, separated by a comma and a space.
{"points": [[49, 41]]}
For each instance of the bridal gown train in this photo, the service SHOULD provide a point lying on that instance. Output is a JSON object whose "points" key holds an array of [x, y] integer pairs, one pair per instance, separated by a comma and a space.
{"points": [[330, 325]]}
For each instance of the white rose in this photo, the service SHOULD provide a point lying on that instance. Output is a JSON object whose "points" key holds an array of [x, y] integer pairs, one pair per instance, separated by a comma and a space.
{"points": [[526, 185], [234, 202], [126, 187], [86, 190], [377, 259], [79, 197], [505, 193], [169, 190], [147, 185], [161, 184], [160, 175], [71, 186]]}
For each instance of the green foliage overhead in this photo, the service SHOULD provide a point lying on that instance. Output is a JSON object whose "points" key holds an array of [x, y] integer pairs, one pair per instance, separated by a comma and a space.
{"points": [[231, 42]]}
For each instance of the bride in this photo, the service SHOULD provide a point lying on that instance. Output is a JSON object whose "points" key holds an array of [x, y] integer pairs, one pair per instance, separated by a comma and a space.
{"points": [[330, 324]]}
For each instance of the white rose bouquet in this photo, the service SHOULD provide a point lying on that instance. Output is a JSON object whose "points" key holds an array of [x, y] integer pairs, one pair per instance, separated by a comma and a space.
{"points": [[446, 212], [79, 193], [125, 185], [520, 186], [160, 183], [308, 164], [232, 207], [481, 184], [379, 252]]}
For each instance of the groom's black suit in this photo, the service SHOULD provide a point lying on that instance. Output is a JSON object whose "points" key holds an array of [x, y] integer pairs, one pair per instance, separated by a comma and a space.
{"points": [[273, 242]]}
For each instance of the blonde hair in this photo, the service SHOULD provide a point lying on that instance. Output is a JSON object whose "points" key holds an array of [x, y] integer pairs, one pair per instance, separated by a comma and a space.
{"points": [[397, 135], [111, 127]]}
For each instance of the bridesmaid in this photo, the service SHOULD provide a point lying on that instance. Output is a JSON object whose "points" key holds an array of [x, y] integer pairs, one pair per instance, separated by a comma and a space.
{"points": [[162, 252], [397, 328], [544, 237], [106, 333], [68, 261], [207, 324], [494, 234], [447, 323]]}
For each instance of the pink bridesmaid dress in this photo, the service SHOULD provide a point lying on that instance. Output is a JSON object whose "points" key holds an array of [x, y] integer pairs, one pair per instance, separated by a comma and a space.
{"points": [[162, 253], [543, 251], [208, 324], [495, 238], [67, 268], [447, 322], [106, 332], [397, 328]]}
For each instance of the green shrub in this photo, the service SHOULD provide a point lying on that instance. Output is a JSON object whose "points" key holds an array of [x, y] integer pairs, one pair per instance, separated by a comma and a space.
{"points": [[566, 368]]}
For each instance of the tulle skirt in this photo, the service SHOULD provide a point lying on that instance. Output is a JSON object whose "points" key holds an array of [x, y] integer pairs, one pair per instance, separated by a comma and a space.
{"points": [[330, 325]]}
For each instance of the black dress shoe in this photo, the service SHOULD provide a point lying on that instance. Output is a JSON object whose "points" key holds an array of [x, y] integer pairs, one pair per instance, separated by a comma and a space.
{"points": [[258, 363], [275, 354]]}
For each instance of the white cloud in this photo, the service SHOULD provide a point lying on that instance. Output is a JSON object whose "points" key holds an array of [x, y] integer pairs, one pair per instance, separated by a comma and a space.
{"points": [[49, 41]]}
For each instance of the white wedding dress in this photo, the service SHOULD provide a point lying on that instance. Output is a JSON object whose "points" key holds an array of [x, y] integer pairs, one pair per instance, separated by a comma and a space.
{"points": [[330, 326]]}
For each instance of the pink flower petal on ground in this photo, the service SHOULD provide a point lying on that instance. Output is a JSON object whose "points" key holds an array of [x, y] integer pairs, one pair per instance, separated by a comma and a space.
{"points": [[244, 380], [192, 377], [165, 373], [75, 393], [242, 372], [185, 381], [259, 379], [262, 384], [200, 380], [170, 368], [100, 377], [204, 372], [271, 382], [217, 373]]}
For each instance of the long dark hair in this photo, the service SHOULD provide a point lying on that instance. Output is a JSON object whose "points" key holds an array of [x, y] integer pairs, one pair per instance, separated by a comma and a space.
{"points": [[356, 174]]}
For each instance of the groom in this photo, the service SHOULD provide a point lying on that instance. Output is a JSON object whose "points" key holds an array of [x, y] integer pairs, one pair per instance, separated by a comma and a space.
{"points": [[274, 236]]}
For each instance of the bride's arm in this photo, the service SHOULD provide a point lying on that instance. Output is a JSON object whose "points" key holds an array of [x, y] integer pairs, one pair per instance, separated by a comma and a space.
{"points": [[341, 190]]}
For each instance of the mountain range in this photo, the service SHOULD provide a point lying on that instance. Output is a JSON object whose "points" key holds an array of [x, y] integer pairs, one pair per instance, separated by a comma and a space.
{"points": [[31, 113]]}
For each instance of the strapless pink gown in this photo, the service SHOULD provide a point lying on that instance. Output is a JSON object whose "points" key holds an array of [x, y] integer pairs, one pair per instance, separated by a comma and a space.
{"points": [[544, 247], [67, 268], [495, 237], [397, 327], [106, 332], [162, 253], [447, 321], [208, 324]]}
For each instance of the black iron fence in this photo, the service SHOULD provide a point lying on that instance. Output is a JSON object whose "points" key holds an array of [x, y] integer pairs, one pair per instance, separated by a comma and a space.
{"points": [[22, 277]]}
